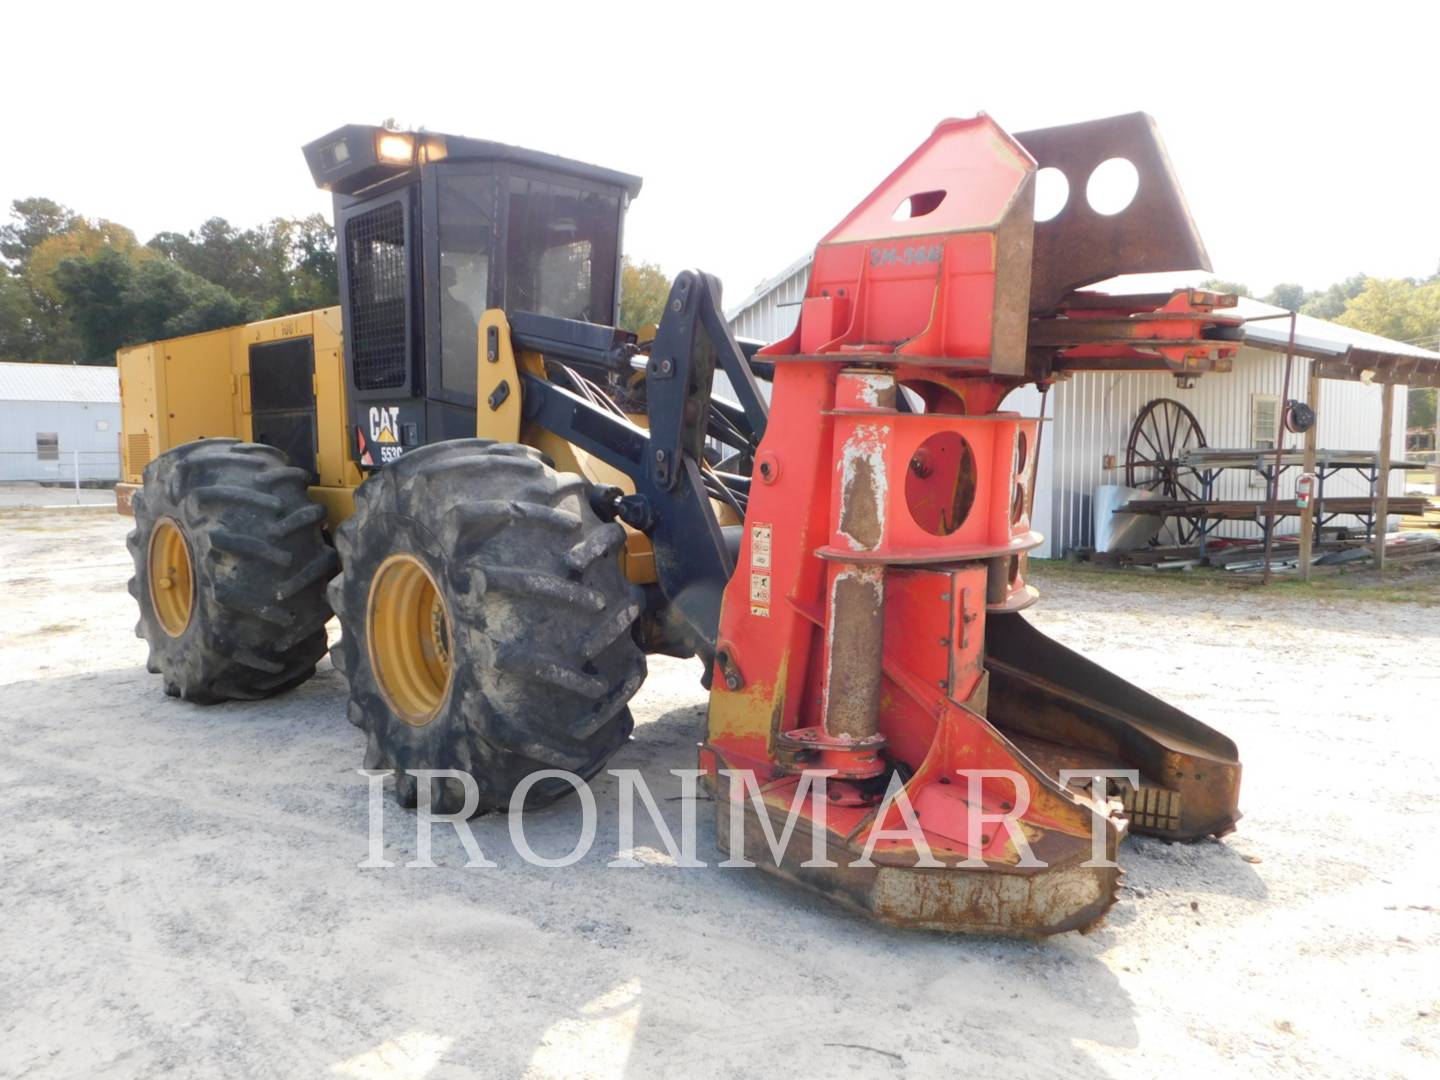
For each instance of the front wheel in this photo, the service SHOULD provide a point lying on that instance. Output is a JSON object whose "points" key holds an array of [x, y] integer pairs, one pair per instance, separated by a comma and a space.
{"points": [[486, 622]]}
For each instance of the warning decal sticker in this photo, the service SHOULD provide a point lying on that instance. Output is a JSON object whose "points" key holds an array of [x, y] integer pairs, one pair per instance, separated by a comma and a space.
{"points": [[760, 570], [760, 547]]}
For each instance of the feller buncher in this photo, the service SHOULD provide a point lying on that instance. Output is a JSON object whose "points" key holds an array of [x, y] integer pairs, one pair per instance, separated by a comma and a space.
{"points": [[509, 503]]}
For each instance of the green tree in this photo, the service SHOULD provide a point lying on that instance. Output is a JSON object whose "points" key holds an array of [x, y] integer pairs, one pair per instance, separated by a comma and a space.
{"points": [[215, 272], [1421, 411], [82, 239], [1396, 308], [313, 273], [33, 221], [20, 330], [53, 335], [1288, 296], [644, 289], [285, 266], [31, 325], [94, 288], [1402, 310], [1330, 304], [241, 261], [190, 304], [114, 300], [1220, 285]]}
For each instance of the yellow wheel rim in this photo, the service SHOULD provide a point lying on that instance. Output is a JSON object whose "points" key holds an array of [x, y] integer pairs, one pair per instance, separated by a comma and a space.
{"points": [[409, 639], [172, 578]]}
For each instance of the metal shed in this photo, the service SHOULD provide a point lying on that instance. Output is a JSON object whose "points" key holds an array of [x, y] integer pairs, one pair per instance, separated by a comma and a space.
{"points": [[57, 421]]}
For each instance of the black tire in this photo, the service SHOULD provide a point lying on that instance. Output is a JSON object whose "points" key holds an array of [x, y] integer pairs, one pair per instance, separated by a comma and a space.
{"points": [[542, 659], [260, 565]]}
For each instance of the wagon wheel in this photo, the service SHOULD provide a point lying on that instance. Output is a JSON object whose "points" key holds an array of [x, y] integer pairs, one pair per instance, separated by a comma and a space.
{"points": [[1161, 434]]}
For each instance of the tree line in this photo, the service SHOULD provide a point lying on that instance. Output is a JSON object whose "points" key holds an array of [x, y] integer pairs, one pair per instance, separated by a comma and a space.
{"points": [[74, 288]]}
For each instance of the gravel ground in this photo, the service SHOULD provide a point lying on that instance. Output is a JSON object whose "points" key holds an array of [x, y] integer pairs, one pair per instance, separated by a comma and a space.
{"points": [[179, 891]]}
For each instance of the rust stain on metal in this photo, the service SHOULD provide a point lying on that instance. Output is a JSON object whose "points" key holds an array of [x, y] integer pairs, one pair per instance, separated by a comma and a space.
{"points": [[860, 514], [875, 390], [863, 487], [857, 638]]}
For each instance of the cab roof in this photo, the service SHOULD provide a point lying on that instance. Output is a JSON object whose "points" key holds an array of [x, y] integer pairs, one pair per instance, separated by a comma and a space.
{"points": [[355, 157]]}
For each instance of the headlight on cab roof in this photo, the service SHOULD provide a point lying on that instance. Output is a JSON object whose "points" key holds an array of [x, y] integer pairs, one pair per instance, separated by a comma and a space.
{"points": [[395, 148]]}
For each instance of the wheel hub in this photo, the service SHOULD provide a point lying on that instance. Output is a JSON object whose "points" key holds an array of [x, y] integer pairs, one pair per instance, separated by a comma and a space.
{"points": [[171, 577], [409, 639]]}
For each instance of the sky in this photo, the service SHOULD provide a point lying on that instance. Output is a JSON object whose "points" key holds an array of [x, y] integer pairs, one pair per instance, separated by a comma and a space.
{"points": [[1306, 137]]}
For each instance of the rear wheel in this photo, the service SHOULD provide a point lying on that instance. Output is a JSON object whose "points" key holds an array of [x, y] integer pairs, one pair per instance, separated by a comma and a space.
{"points": [[486, 622], [230, 571]]}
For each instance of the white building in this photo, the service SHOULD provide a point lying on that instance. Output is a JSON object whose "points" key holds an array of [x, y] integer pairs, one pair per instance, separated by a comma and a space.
{"points": [[57, 418], [1091, 414]]}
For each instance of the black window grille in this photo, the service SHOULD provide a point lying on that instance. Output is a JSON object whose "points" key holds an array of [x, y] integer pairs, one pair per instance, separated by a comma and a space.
{"points": [[375, 264]]}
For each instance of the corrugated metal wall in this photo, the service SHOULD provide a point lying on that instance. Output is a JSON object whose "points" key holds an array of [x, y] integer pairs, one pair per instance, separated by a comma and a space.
{"points": [[91, 428], [769, 319], [1095, 411], [774, 315]]}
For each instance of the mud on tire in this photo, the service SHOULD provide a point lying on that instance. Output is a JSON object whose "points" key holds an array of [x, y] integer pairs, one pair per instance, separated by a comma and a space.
{"points": [[541, 659], [259, 563]]}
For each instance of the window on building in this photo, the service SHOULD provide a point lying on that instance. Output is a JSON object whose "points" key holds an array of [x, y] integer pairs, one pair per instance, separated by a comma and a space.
{"points": [[47, 446], [1264, 419]]}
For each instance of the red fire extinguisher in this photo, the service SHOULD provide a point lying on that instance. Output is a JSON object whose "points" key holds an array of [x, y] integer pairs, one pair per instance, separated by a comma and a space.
{"points": [[1304, 489]]}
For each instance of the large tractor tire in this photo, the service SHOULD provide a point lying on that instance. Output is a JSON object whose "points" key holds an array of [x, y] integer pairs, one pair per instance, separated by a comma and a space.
{"points": [[230, 571], [486, 624]]}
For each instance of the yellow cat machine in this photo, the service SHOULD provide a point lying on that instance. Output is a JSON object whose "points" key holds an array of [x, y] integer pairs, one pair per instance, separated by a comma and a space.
{"points": [[508, 503]]}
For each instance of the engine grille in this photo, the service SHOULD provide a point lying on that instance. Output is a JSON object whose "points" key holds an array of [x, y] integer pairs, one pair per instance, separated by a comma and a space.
{"points": [[375, 264], [137, 453]]}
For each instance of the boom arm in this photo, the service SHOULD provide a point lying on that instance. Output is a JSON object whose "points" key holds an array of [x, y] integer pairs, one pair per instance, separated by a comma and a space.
{"points": [[671, 503]]}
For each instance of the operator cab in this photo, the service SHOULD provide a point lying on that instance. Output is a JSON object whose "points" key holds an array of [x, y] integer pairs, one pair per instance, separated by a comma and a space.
{"points": [[432, 230]]}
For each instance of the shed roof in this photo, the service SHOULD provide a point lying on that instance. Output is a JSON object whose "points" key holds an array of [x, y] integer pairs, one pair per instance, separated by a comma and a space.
{"points": [[1342, 352], [59, 382]]}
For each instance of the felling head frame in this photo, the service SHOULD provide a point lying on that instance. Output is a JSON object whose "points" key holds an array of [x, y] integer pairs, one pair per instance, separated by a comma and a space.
{"points": [[872, 627]]}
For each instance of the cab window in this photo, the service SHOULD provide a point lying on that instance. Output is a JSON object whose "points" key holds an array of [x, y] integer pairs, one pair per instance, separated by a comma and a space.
{"points": [[466, 238], [561, 250]]}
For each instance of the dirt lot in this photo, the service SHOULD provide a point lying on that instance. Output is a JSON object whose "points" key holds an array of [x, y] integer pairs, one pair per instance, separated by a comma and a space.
{"points": [[179, 891]]}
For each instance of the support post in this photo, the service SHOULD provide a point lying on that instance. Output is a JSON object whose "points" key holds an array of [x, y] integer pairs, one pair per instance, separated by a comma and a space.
{"points": [[855, 616], [1272, 489], [75, 459], [848, 738], [1307, 516], [1382, 480], [1435, 449]]}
